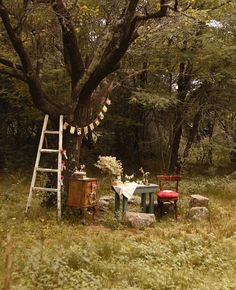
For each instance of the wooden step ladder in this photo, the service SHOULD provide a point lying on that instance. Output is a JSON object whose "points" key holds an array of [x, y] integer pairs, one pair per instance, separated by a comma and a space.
{"points": [[56, 170]]}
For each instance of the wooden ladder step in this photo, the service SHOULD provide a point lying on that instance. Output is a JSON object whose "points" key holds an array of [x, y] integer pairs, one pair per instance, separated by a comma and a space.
{"points": [[47, 169], [51, 132], [45, 189], [49, 150]]}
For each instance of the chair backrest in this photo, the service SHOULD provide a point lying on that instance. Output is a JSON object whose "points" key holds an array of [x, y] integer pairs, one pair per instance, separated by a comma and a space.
{"points": [[168, 178]]}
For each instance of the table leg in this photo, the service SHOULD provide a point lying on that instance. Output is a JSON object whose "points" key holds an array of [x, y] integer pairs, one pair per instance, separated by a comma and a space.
{"points": [[125, 204], [151, 202], [117, 206], [143, 202]]}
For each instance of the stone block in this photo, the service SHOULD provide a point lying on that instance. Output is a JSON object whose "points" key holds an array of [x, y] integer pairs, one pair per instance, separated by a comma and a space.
{"points": [[103, 204], [135, 200], [109, 198], [105, 201], [197, 200], [198, 213], [139, 220]]}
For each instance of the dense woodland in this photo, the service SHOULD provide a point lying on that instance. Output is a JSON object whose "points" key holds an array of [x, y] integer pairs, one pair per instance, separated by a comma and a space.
{"points": [[168, 67]]}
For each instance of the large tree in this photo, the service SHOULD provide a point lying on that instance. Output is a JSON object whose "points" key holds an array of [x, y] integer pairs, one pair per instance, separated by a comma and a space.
{"points": [[46, 33], [64, 50]]}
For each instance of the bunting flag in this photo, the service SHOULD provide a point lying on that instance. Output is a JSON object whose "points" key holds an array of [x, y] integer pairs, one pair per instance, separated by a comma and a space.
{"points": [[104, 109], [108, 102], [65, 125], [72, 130], [97, 122], [94, 137], [101, 116], [85, 130], [92, 125]]}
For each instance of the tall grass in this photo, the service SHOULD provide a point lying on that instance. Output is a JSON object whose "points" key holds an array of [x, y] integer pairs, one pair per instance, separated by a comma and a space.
{"points": [[182, 255]]}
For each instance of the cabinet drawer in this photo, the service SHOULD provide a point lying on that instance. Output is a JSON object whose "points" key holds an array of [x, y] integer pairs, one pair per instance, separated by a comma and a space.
{"points": [[82, 193]]}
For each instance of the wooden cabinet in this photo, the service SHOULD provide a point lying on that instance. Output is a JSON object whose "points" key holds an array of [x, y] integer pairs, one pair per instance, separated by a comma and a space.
{"points": [[82, 192]]}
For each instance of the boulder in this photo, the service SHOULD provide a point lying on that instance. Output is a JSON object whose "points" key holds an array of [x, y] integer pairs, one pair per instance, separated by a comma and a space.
{"points": [[105, 201], [135, 200], [198, 213], [109, 198], [197, 200], [139, 220], [103, 204]]}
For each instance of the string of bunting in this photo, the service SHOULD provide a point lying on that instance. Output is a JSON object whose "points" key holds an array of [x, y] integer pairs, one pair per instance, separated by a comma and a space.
{"points": [[84, 130]]}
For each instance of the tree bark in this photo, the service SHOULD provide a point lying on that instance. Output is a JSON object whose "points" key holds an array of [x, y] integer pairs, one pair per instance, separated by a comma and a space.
{"points": [[183, 86]]}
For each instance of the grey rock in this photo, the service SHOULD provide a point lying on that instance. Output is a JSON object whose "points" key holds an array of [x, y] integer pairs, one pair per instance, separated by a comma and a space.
{"points": [[197, 200], [109, 198], [135, 200], [139, 220], [198, 213], [103, 205]]}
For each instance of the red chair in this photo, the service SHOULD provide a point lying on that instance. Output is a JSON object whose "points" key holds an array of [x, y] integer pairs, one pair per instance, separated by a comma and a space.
{"points": [[168, 195]]}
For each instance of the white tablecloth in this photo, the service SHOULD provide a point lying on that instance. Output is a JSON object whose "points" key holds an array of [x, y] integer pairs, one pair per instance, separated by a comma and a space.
{"points": [[127, 190]]}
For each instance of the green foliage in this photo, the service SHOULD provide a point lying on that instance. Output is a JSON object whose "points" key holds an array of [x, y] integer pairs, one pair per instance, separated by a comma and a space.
{"points": [[153, 101], [19, 129]]}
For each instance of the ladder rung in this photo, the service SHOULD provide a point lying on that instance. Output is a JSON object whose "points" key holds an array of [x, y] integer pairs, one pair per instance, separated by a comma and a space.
{"points": [[51, 132], [50, 150], [47, 169], [45, 189]]}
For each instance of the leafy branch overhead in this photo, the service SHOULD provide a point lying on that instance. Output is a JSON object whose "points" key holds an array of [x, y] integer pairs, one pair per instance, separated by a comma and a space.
{"points": [[86, 72]]}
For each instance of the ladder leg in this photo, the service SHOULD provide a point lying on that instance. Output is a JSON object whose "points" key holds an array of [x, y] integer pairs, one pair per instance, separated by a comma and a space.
{"points": [[59, 168], [36, 163]]}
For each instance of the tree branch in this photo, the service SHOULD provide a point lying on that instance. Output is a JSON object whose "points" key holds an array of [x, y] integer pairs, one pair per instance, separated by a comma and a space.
{"points": [[10, 64], [72, 56], [113, 46], [40, 99], [13, 74], [221, 5], [158, 14]]}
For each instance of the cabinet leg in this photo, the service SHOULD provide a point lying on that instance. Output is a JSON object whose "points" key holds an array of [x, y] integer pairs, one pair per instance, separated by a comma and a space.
{"points": [[95, 209], [117, 206], [83, 210]]}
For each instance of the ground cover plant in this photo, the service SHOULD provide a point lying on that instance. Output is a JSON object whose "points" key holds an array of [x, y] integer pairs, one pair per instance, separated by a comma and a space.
{"points": [[68, 255]]}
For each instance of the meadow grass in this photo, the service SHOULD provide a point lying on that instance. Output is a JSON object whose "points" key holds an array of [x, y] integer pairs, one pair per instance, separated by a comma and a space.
{"points": [[109, 255]]}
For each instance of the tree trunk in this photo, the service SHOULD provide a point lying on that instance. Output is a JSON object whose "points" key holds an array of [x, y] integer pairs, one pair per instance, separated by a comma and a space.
{"points": [[183, 86], [174, 165], [192, 133]]}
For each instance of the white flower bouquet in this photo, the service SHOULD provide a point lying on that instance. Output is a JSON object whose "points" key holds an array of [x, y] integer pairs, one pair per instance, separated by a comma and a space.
{"points": [[109, 165]]}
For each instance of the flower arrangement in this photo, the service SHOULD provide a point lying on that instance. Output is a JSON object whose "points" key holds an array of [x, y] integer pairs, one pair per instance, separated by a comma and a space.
{"points": [[110, 165]]}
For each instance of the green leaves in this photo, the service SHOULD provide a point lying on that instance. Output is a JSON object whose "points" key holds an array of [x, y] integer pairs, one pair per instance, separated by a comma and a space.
{"points": [[152, 100]]}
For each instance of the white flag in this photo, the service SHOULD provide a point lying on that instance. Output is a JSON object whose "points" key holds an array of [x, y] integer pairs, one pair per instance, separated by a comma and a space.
{"points": [[104, 109], [65, 125], [101, 116], [97, 121], [72, 130], [91, 126], [108, 102], [86, 130]]}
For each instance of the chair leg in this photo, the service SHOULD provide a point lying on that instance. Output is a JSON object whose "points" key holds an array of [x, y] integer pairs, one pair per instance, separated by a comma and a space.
{"points": [[160, 209], [175, 209]]}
